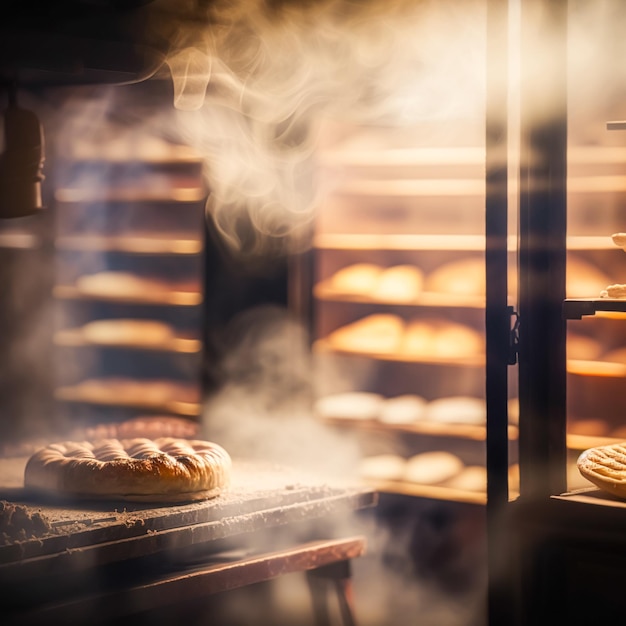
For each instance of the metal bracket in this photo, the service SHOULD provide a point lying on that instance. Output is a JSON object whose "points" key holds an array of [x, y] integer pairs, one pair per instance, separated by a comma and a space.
{"points": [[513, 336]]}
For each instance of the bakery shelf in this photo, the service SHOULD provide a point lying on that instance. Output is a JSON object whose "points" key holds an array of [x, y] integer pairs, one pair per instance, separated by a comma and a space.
{"points": [[169, 298], [323, 291], [179, 156], [18, 240], [412, 187], [596, 368], [433, 492], [76, 394], [474, 432], [132, 244], [589, 155], [362, 156], [596, 184], [397, 241], [592, 499], [74, 337], [574, 309], [589, 242], [324, 346], [583, 442], [138, 193]]}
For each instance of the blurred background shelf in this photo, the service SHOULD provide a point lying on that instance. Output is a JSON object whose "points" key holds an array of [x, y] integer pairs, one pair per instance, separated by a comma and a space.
{"points": [[323, 346], [172, 298], [74, 337], [132, 244], [460, 431]]}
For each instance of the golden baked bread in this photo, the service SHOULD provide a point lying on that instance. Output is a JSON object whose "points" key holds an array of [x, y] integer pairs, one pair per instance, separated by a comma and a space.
{"points": [[404, 409], [376, 333], [149, 393], [127, 331], [462, 277], [431, 468], [619, 239], [399, 283], [617, 290], [357, 405], [441, 339], [166, 469], [457, 410], [116, 284], [472, 478], [605, 467], [358, 279], [382, 467]]}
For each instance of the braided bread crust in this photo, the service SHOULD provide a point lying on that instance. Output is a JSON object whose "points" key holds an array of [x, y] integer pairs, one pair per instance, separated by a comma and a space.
{"points": [[605, 467], [166, 469]]}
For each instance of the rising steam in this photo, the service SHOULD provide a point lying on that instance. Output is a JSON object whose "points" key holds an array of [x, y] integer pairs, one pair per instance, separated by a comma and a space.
{"points": [[252, 79]]}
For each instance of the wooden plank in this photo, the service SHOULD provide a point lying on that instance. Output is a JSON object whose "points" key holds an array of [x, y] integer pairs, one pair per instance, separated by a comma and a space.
{"points": [[183, 586]]}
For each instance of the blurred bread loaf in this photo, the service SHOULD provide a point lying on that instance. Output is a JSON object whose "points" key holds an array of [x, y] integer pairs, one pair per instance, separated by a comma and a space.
{"points": [[376, 333], [382, 467], [461, 277], [127, 331], [617, 290], [115, 284], [437, 338], [432, 468], [471, 478], [358, 279], [456, 410], [350, 405], [400, 283], [404, 409]]}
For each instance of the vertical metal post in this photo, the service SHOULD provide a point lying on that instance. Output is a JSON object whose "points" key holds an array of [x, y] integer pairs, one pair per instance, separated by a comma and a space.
{"points": [[542, 249], [497, 315]]}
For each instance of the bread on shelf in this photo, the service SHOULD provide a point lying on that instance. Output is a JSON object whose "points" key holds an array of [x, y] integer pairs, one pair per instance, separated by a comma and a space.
{"points": [[355, 405], [376, 333]]}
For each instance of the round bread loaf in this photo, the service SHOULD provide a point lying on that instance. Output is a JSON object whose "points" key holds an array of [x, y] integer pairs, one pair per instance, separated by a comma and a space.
{"points": [[435, 338], [127, 331], [358, 279], [112, 283], [382, 467], [431, 468], [376, 333], [472, 478], [404, 409], [400, 283], [617, 290], [464, 277], [166, 469], [350, 405], [619, 239], [460, 277], [605, 467], [457, 410]]}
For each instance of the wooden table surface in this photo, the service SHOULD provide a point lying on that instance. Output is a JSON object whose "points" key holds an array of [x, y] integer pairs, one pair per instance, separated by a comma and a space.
{"points": [[79, 535]]}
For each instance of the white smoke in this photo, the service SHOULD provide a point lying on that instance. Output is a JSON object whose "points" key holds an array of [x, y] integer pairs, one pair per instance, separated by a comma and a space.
{"points": [[253, 79]]}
